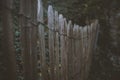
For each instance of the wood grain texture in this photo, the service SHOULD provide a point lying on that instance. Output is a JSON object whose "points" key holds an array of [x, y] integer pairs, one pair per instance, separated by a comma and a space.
{"points": [[69, 50], [65, 49], [43, 63], [57, 47], [26, 38], [34, 36], [51, 41]]}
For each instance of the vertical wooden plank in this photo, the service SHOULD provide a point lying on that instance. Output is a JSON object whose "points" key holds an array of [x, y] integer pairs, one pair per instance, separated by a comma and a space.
{"points": [[62, 46], [93, 26], [62, 26], [89, 58], [34, 29], [74, 52], [85, 52], [92, 32], [69, 50], [78, 53], [44, 67], [97, 33], [41, 43], [81, 49], [51, 40], [41, 32], [82, 65], [90, 44], [93, 37], [26, 38], [66, 55], [88, 51], [8, 40], [57, 62]]}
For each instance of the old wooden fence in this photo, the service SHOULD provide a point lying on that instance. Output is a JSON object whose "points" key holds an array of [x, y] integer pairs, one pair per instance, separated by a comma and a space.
{"points": [[35, 50]]}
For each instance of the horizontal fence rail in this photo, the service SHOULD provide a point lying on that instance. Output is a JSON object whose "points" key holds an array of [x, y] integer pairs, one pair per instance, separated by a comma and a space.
{"points": [[53, 50]]}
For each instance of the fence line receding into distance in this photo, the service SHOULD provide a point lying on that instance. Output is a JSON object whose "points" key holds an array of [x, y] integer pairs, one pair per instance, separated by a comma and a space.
{"points": [[56, 50]]}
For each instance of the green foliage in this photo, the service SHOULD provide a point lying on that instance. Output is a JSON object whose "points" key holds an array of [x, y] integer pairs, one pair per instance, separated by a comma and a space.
{"points": [[17, 43]]}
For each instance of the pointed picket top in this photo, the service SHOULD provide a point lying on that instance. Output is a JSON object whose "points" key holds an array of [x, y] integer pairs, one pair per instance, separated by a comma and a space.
{"points": [[77, 31], [38, 7], [80, 27], [50, 17], [69, 25], [91, 27], [77, 28], [94, 26], [74, 30], [96, 22], [40, 11], [56, 21], [85, 28], [65, 25], [61, 23], [82, 31], [69, 28], [74, 27]]}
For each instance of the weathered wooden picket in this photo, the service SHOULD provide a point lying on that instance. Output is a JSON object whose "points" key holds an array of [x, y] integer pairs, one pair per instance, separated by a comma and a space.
{"points": [[69, 47], [56, 50]]}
